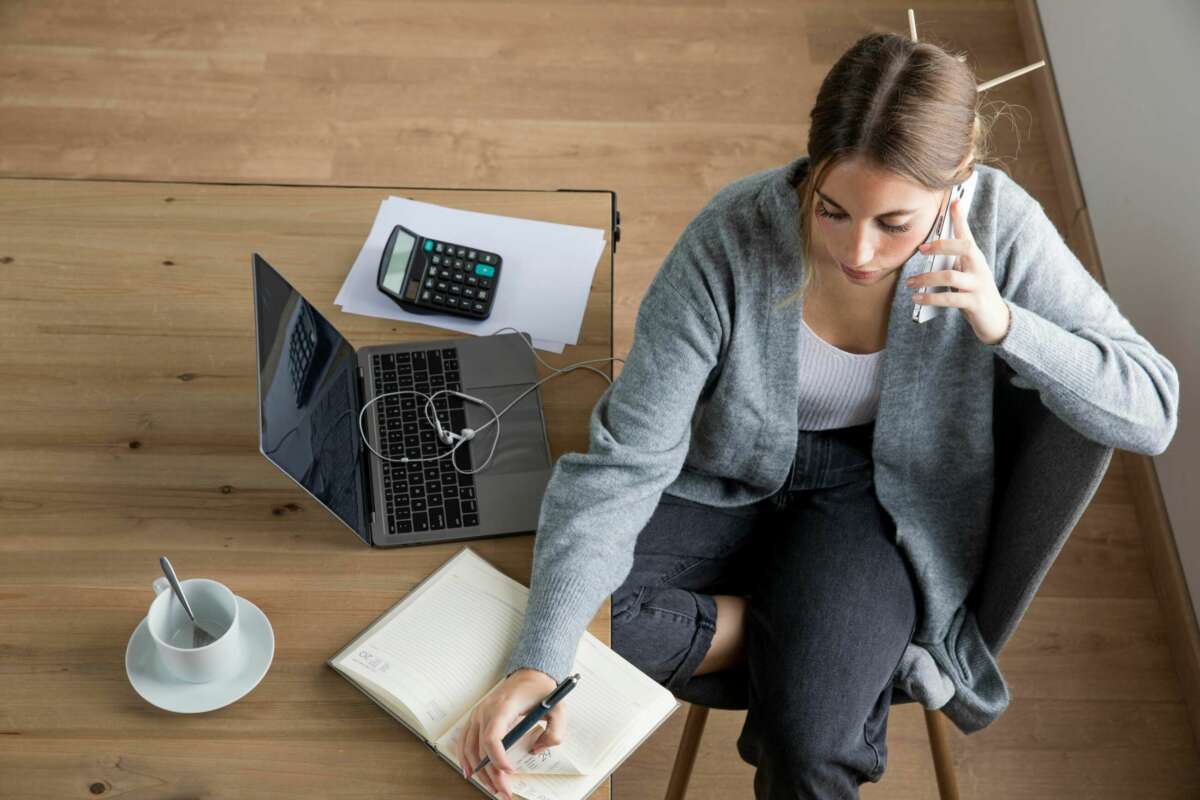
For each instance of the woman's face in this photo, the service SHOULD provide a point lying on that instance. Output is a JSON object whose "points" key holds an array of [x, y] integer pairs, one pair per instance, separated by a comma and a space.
{"points": [[870, 221]]}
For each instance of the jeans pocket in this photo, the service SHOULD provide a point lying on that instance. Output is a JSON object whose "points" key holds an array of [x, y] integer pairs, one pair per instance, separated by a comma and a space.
{"points": [[682, 533], [702, 571], [863, 465], [626, 606], [742, 512]]}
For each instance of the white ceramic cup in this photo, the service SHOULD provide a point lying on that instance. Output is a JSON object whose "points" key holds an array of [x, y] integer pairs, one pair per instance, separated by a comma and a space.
{"points": [[212, 602]]}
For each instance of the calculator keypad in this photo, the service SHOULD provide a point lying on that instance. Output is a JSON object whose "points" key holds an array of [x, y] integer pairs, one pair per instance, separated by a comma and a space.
{"points": [[458, 280]]}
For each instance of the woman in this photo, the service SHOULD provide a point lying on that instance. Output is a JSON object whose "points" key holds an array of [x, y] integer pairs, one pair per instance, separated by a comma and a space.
{"points": [[813, 559]]}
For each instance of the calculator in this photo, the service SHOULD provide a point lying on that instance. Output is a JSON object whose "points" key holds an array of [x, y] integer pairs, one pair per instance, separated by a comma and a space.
{"points": [[433, 276]]}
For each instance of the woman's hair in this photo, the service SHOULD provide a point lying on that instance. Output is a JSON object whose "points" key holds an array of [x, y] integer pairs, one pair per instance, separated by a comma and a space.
{"points": [[905, 107]]}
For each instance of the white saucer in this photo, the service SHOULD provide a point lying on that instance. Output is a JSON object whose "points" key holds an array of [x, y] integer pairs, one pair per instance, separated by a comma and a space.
{"points": [[158, 687]]}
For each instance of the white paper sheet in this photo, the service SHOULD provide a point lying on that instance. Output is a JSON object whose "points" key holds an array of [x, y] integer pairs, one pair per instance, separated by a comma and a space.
{"points": [[547, 272]]}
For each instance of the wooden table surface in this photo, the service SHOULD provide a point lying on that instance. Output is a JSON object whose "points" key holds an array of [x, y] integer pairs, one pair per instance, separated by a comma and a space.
{"points": [[128, 431]]}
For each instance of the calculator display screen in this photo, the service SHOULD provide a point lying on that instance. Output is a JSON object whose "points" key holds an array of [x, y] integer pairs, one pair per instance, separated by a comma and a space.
{"points": [[393, 279]]}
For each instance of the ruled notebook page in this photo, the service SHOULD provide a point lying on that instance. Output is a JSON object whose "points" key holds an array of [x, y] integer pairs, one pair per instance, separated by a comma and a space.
{"points": [[609, 713], [444, 648]]}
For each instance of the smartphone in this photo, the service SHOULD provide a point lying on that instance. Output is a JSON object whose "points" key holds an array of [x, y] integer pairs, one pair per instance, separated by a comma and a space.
{"points": [[943, 228]]}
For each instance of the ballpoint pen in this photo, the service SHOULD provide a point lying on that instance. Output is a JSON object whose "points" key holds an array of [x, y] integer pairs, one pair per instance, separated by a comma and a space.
{"points": [[534, 716]]}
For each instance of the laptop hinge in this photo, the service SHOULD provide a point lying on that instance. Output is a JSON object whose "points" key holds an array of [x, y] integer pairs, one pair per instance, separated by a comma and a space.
{"points": [[364, 461]]}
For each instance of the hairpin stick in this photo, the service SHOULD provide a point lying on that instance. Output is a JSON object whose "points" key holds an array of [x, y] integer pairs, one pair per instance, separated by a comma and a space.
{"points": [[912, 33], [1008, 76]]}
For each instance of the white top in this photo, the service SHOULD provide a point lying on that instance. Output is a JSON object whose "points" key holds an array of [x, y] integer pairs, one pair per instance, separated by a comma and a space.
{"points": [[838, 389]]}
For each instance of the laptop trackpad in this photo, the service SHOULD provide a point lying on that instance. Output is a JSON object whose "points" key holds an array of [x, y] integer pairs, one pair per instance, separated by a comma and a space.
{"points": [[522, 445]]}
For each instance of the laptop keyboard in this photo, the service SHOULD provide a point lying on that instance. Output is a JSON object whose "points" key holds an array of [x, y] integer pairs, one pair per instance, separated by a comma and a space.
{"points": [[422, 495]]}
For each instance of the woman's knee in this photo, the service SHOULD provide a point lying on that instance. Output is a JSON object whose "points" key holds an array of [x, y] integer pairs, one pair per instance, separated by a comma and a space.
{"points": [[665, 632]]}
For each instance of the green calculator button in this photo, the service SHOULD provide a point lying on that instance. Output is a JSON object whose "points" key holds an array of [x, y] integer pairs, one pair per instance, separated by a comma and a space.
{"points": [[486, 272], [428, 246]]}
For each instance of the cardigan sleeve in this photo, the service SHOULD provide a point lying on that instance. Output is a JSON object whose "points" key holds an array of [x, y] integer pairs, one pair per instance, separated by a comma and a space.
{"points": [[1070, 342], [597, 502]]}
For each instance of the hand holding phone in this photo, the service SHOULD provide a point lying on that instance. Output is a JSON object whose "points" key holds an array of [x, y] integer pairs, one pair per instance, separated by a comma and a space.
{"points": [[943, 228], [976, 294]]}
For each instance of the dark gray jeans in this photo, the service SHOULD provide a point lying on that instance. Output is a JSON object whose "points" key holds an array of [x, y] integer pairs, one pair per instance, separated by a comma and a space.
{"points": [[831, 607]]}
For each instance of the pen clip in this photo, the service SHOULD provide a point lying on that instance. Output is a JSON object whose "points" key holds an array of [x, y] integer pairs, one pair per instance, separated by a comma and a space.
{"points": [[560, 690]]}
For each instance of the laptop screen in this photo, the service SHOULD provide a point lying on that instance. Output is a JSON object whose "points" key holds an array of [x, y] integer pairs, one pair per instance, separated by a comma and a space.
{"points": [[308, 398]]}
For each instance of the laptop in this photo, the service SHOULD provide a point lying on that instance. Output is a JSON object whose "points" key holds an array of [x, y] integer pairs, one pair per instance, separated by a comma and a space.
{"points": [[312, 385]]}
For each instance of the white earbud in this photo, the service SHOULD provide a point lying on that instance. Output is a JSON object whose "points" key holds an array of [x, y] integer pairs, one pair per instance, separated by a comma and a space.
{"points": [[450, 438], [466, 434]]}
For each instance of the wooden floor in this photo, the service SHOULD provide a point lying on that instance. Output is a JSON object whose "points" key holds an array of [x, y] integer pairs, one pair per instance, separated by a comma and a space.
{"points": [[663, 103]]}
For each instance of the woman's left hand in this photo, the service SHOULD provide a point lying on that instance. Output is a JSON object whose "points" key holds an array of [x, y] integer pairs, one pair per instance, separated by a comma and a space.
{"points": [[977, 297]]}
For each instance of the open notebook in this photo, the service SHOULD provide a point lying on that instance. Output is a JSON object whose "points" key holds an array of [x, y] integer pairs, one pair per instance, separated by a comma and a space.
{"points": [[435, 654]]}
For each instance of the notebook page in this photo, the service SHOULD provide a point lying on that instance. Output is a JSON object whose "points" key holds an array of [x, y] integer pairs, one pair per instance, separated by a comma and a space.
{"points": [[611, 712], [621, 708], [386, 701], [443, 651], [551, 760], [615, 706]]}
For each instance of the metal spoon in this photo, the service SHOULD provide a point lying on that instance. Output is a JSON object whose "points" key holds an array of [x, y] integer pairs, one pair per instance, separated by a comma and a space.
{"points": [[200, 637]]}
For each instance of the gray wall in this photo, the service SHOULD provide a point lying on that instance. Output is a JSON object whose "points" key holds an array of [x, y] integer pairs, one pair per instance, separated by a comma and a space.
{"points": [[1126, 74]]}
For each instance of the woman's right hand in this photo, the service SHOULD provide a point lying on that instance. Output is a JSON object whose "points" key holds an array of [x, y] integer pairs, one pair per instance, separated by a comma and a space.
{"points": [[497, 714]]}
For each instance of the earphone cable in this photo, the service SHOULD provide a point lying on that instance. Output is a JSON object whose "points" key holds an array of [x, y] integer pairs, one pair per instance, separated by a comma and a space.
{"points": [[458, 439]]}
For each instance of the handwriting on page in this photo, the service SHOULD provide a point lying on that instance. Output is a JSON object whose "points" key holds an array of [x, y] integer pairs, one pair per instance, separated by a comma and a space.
{"points": [[551, 761], [536, 762], [370, 660]]}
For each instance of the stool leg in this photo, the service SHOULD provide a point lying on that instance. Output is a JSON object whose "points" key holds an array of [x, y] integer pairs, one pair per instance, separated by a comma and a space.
{"points": [[685, 757], [943, 759]]}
